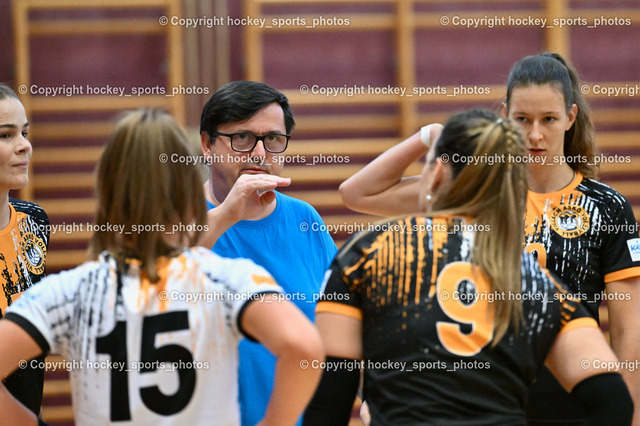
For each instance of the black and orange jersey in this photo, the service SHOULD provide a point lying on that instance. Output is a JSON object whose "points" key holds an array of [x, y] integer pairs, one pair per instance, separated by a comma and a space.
{"points": [[428, 321], [587, 235], [23, 251]]}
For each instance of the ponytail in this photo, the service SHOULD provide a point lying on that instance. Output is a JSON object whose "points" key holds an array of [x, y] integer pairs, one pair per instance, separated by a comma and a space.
{"points": [[495, 195]]}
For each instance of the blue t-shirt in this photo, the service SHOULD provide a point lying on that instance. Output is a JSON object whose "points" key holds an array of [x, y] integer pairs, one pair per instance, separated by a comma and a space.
{"points": [[293, 245]]}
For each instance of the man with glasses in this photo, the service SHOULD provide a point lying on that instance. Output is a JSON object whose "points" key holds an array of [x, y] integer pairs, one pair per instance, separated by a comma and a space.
{"points": [[244, 132]]}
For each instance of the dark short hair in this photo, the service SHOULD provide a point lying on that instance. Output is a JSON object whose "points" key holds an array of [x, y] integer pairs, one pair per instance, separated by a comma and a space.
{"points": [[239, 101]]}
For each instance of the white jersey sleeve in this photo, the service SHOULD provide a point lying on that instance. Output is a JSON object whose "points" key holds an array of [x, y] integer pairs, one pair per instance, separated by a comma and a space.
{"points": [[237, 281], [46, 311]]}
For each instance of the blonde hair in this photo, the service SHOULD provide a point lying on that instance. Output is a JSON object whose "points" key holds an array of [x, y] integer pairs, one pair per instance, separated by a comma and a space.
{"points": [[494, 194], [135, 188]]}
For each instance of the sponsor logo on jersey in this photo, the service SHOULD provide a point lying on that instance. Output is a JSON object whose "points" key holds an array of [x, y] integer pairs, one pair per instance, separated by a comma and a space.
{"points": [[570, 221], [634, 249], [33, 249]]}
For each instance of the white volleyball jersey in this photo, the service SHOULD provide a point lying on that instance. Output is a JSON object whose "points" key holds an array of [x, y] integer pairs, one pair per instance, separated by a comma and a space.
{"points": [[142, 353]]}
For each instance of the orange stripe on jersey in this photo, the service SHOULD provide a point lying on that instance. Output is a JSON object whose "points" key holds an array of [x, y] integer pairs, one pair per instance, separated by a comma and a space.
{"points": [[406, 273], [262, 279], [421, 223], [622, 274], [363, 262], [338, 308], [439, 240], [579, 323]]}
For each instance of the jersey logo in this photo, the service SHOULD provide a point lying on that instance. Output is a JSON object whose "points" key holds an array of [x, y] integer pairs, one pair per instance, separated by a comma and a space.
{"points": [[634, 249], [570, 221], [34, 251]]}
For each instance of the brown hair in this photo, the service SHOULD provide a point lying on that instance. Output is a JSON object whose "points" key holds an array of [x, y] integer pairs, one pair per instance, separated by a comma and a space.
{"points": [[494, 193], [136, 188], [553, 69]]}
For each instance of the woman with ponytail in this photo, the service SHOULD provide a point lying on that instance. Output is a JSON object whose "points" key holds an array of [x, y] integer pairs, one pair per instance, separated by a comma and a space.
{"points": [[447, 315], [578, 228]]}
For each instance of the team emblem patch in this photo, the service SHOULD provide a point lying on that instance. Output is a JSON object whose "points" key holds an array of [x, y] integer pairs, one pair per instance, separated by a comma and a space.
{"points": [[570, 221], [34, 250]]}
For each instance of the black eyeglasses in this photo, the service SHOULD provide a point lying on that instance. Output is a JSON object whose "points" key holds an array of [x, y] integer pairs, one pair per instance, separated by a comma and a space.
{"points": [[274, 143]]}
